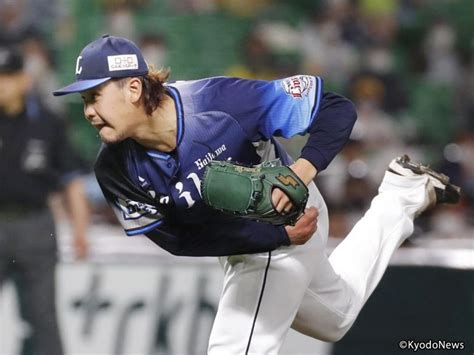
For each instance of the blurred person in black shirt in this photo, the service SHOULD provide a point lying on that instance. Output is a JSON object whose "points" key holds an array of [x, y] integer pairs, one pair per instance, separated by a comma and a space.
{"points": [[35, 160]]}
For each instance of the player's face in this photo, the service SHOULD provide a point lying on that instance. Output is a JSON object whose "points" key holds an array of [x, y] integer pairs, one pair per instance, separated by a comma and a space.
{"points": [[14, 87], [108, 111]]}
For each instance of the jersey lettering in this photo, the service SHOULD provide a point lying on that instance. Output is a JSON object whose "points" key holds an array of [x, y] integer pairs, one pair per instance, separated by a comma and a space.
{"points": [[196, 181], [186, 194], [133, 209], [164, 200]]}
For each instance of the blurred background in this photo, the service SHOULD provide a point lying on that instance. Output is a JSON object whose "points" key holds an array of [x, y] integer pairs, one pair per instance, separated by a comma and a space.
{"points": [[408, 66]]}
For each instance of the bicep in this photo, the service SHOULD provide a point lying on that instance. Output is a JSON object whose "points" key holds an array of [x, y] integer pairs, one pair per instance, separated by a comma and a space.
{"points": [[283, 107]]}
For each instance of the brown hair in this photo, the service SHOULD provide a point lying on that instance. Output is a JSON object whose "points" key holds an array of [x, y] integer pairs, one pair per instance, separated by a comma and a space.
{"points": [[153, 89]]}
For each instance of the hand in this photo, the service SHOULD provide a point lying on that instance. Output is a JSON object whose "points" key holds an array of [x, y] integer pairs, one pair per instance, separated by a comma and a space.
{"points": [[81, 247], [304, 229], [306, 172]]}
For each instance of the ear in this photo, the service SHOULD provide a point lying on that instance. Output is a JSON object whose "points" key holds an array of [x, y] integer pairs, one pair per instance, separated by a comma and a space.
{"points": [[135, 88]]}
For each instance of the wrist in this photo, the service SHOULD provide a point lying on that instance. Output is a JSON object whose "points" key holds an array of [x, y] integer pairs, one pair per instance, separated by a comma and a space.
{"points": [[305, 170]]}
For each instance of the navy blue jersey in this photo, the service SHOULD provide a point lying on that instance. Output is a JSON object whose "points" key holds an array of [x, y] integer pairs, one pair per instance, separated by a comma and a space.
{"points": [[158, 194]]}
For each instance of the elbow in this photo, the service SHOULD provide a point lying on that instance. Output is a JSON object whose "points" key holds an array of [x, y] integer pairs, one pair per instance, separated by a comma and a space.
{"points": [[351, 112], [350, 117], [173, 250], [166, 242]]}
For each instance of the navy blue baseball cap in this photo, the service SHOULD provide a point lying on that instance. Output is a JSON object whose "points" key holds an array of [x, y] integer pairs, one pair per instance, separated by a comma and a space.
{"points": [[106, 58]]}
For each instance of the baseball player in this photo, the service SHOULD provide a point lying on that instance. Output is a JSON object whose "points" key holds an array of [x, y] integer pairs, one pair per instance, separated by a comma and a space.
{"points": [[160, 137]]}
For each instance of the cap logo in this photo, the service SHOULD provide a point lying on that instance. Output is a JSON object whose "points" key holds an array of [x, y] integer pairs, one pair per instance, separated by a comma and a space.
{"points": [[78, 67], [122, 62]]}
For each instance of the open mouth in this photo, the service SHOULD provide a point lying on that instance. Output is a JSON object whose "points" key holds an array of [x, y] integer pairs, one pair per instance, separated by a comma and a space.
{"points": [[99, 126]]}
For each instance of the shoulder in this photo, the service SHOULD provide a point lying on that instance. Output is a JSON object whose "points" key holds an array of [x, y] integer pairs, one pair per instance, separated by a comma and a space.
{"points": [[111, 171], [210, 83]]}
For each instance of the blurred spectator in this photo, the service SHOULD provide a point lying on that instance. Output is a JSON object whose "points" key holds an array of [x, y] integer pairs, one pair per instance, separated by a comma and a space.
{"points": [[324, 50], [380, 21], [458, 163], [465, 98], [198, 6], [455, 222], [374, 128], [258, 62], [378, 70], [36, 160], [248, 8], [120, 19], [154, 49], [450, 223], [15, 22], [440, 55], [39, 66], [333, 180]]}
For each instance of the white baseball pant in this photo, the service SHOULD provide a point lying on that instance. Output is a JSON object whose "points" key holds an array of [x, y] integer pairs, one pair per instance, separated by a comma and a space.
{"points": [[300, 287]]}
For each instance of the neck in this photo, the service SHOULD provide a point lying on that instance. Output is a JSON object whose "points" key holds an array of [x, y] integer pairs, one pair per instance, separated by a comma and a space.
{"points": [[159, 130]]}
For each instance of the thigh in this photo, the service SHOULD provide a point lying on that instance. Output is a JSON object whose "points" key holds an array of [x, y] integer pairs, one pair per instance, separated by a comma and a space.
{"points": [[262, 293], [260, 298]]}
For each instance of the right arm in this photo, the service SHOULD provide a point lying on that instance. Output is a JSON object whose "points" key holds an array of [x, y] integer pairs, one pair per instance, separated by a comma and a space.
{"points": [[228, 236], [240, 236], [218, 235]]}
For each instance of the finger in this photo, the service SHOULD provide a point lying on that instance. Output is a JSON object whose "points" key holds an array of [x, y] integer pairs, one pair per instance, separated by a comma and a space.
{"points": [[280, 200], [312, 213], [281, 205], [277, 195], [285, 205]]}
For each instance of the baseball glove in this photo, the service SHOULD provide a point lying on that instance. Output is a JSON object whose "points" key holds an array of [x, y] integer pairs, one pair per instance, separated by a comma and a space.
{"points": [[247, 191]]}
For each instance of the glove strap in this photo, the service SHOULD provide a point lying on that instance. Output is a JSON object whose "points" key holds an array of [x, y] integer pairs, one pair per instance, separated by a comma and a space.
{"points": [[257, 194]]}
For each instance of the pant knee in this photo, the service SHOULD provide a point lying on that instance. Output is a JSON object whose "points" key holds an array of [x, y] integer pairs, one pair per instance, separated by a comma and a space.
{"points": [[336, 331], [330, 329]]}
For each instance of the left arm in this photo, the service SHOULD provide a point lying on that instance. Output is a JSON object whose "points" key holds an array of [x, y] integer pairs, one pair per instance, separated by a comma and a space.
{"points": [[329, 132], [78, 208], [68, 167], [287, 107], [327, 136]]}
